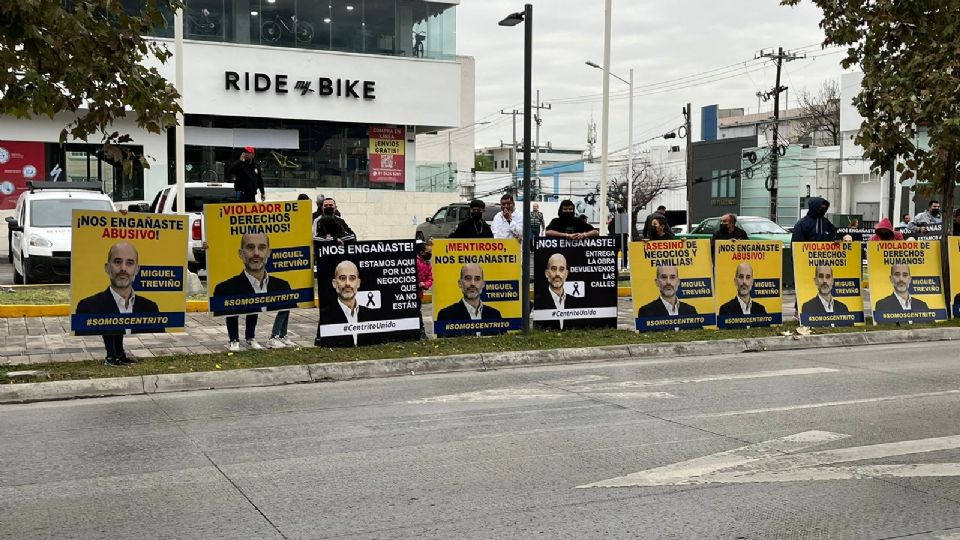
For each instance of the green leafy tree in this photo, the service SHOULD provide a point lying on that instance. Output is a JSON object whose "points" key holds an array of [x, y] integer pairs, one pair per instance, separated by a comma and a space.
{"points": [[482, 162], [909, 52], [88, 58]]}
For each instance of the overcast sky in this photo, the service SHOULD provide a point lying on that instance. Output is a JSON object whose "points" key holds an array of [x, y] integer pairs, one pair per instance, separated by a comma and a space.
{"points": [[710, 44]]}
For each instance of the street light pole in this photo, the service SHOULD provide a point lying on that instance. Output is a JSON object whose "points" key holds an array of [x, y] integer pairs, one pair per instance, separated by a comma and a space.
{"points": [[180, 131], [512, 20]]}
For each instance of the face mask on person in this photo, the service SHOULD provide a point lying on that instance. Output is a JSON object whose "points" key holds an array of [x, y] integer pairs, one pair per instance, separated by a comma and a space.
{"points": [[567, 214], [477, 216], [822, 211], [885, 234], [328, 210], [935, 212], [427, 255]]}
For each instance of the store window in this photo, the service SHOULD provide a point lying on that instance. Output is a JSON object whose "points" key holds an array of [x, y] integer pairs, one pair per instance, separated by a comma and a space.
{"points": [[87, 163], [723, 184], [291, 153]]}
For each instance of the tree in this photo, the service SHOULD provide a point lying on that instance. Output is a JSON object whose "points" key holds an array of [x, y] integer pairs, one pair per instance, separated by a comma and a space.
{"points": [[649, 181], [909, 53], [87, 58], [820, 113], [482, 162]]}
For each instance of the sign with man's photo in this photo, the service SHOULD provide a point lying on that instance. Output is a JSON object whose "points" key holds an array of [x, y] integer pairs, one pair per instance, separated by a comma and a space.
{"points": [[906, 285], [575, 283], [476, 286], [259, 256], [749, 283], [367, 292], [828, 277], [954, 243], [127, 273], [672, 283]]}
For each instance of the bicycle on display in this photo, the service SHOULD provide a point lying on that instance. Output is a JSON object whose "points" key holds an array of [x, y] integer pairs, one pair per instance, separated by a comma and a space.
{"points": [[204, 24], [273, 30], [419, 38], [279, 163]]}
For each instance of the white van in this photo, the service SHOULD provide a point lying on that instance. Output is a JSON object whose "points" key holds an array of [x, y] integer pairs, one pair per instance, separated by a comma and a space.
{"points": [[40, 228]]}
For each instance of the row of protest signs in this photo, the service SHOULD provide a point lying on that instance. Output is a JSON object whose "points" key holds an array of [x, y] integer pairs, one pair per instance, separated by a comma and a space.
{"points": [[262, 257]]}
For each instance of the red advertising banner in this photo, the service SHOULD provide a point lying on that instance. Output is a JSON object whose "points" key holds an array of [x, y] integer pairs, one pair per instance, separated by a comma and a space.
{"points": [[387, 151], [20, 162]]}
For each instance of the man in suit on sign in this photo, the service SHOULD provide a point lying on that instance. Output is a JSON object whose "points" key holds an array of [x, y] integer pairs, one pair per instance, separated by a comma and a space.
{"points": [[667, 304]]}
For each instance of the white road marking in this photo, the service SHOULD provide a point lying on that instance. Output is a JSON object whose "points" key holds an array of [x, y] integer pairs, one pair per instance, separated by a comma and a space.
{"points": [[772, 461], [824, 404], [611, 390], [526, 393], [709, 378]]}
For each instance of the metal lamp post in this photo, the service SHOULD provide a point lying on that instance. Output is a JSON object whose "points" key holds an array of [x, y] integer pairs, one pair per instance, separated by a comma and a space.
{"points": [[629, 149], [526, 17]]}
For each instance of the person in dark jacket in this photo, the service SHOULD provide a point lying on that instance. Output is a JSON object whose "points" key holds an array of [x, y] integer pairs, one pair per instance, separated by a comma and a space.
{"points": [[474, 226], [330, 227], [568, 225], [728, 229], [247, 179], [815, 227], [659, 229], [661, 212]]}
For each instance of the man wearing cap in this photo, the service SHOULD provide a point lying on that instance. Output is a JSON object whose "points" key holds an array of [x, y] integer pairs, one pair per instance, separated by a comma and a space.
{"points": [[247, 179], [474, 226]]}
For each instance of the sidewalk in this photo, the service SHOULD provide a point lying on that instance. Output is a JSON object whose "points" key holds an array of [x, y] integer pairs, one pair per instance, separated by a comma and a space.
{"points": [[40, 340]]}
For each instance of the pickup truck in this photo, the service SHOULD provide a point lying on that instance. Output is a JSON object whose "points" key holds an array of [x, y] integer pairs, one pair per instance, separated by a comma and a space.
{"points": [[198, 194]]}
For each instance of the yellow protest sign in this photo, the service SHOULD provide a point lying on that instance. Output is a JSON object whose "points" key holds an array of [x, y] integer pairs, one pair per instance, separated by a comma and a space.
{"points": [[749, 275], [905, 281], [121, 258], [828, 276], [259, 256], [954, 243], [476, 286], [672, 283]]}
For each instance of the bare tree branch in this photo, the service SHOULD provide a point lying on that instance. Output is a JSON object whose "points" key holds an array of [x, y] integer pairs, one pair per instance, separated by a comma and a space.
{"points": [[820, 117]]}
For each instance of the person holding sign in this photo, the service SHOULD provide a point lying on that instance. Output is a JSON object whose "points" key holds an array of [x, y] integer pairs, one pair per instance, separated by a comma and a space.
{"points": [[567, 225], [824, 302], [900, 301], [471, 307], [254, 252], [122, 267], [742, 303], [667, 304], [474, 226], [347, 311]]}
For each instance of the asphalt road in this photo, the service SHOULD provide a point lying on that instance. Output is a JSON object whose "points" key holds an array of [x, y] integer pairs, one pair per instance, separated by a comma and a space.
{"points": [[820, 444]]}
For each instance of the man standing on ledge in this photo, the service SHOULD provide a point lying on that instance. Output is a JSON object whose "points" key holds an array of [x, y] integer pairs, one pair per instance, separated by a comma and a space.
{"points": [[122, 267], [474, 226], [247, 178]]}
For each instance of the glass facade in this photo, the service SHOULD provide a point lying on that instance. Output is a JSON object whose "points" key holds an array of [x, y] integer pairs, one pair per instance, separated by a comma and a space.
{"points": [[322, 154], [411, 28]]}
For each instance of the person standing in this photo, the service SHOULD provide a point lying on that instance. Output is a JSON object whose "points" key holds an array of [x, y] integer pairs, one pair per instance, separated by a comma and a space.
{"points": [[884, 231], [659, 229], [904, 221], [567, 225], [661, 212], [424, 251], [536, 222], [474, 226], [930, 217], [247, 179], [330, 227], [507, 223], [815, 227]]}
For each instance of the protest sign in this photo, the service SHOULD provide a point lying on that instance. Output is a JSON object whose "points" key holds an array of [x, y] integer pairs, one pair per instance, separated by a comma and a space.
{"points": [[575, 283], [905, 282], [115, 255], [476, 286], [828, 277], [672, 283], [248, 242], [749, 276], [367, 292], [954, 243]]}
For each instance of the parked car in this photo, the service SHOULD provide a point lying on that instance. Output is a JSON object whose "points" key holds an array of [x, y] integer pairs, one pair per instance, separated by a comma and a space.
{"points": [[680, 229], [757, 228], [445, 221], [198, 194], [40, 228]]}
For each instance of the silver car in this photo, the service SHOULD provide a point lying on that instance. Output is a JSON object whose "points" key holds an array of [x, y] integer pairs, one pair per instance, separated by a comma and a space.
{"points": [[445, 221]]}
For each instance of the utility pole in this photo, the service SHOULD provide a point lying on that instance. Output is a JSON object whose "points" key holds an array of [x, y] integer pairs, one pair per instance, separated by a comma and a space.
{"points": [[539, 121], [780, 57], [688, 127], [513, 149]]}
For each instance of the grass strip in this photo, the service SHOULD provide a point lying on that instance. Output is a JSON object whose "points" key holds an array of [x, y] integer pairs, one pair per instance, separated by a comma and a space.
{"points": [[45, 296], [413, 349]]}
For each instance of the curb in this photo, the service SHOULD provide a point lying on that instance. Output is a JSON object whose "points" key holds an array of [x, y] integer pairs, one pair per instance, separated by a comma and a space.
{"points": [[366, 369]]}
